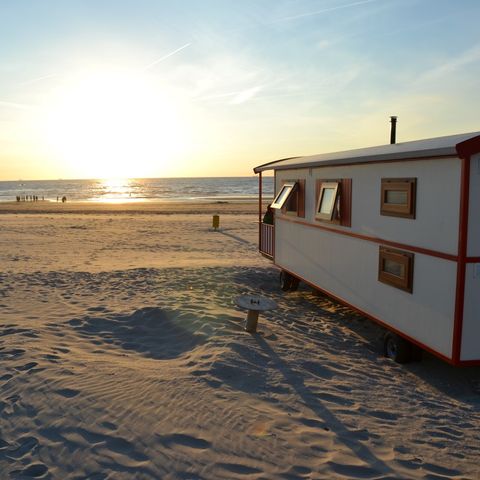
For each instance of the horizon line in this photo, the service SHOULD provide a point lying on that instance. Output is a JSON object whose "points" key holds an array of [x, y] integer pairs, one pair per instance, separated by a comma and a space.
{"points": [[127, 178]]}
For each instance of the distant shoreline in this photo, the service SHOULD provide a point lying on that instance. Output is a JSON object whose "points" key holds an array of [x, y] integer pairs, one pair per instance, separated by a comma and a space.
{"points": [[167, 207], [184, 190]]}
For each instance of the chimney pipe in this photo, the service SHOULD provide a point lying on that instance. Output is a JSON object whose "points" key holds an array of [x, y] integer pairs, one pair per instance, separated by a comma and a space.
{"points": [[393, 130]]}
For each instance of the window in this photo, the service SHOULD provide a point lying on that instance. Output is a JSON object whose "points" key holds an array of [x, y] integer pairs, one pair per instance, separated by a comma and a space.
{"points": [[327, 201], [398, 197], [283, 195], [395, 267], [291, 198], [334, 201]]}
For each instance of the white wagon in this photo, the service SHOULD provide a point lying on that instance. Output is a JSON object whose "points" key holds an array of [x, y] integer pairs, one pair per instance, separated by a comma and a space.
{"points": [[392, 231]]}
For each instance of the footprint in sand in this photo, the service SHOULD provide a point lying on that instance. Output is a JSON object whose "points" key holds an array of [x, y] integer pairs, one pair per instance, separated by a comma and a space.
{"points": [[67, 392], [339, 400], [31, 334], [353, 471], [297, 470], [11, 330], [26, 445], [35, 470], [52, 358], [109, 426], [108, 443], [441, 471], [97, 309], [11, 354], [238, 469], [383, 415], [315, 368], [313, 423], [61, 349], [181, 440], [26, 367]]}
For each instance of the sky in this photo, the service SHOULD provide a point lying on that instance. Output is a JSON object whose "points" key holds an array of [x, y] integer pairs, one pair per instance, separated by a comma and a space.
{"points": [[153, 88]]}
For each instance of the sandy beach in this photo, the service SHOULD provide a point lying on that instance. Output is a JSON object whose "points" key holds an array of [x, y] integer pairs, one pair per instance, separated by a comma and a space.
{"points": [[124, 357]]}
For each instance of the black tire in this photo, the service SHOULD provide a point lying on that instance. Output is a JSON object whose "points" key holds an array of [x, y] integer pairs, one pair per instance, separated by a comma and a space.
{"points": [[286, 281], [417, 353], [397, 348], [295, 283]]}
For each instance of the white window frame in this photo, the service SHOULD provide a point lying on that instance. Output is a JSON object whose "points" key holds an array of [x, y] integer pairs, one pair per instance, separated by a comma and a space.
{"points": [[281, 197], [327, 186]]}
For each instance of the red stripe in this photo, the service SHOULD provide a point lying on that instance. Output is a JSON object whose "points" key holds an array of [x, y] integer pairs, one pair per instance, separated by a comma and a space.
{"points": [[462, 256], [375, 319], [275, 216], [260, 209], [468, 363], [472, 260], [469, 147], [412, 248]]}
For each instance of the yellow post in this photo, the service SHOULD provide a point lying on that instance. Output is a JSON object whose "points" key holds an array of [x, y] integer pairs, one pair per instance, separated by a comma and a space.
{"points": [[216, 221]]}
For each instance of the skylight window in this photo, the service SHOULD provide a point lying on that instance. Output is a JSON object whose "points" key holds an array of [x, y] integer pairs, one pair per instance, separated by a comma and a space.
{"points": [[283, 195], [327, 201]]}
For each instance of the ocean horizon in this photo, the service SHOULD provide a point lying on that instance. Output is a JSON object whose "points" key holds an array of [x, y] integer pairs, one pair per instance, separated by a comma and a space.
{"points": [[181, 189]]}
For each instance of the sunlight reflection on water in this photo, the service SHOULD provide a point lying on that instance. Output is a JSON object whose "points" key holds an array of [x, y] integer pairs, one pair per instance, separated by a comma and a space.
{"points": [[140, 190]]}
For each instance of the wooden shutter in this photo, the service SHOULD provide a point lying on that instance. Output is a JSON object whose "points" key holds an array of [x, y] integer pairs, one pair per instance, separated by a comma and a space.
{"points": [[346, 202], [301, 198], [318, 186]]}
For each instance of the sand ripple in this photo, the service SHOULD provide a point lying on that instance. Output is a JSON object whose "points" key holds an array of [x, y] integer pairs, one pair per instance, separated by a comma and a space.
{"points": [[147, 373]]}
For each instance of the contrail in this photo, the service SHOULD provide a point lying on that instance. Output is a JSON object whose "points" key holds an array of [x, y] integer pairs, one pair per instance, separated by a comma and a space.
{"points": [[318, 12], [38, 79], [161, 59]]}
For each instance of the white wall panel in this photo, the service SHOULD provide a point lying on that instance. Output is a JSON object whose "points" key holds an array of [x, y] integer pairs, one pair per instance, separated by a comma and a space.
{"points": [[437, 206], [474, 210], [471, 314], [348, 268]]}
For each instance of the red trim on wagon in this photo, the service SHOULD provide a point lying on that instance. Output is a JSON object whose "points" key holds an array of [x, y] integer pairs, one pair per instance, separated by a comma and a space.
{"points": [[412, 248], [259, 210], [462, 255], [469, 147], [468, 363]]}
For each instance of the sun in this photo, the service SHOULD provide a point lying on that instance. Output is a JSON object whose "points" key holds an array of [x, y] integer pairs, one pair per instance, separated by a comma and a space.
{"points": [[114, 124]]}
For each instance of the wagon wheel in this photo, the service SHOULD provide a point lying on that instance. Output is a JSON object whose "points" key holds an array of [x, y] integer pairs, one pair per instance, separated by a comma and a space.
{"points": [[288, 282], [397, 348]]}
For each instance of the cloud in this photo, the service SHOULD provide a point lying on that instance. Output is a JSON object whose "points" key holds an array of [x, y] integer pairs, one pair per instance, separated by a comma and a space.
{"points": [[19, 106], [469, 56], [245, 95], [236, 98]]}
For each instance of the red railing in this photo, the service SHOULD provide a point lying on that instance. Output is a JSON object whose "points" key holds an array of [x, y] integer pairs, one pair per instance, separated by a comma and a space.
{"points": [[267, 236]]}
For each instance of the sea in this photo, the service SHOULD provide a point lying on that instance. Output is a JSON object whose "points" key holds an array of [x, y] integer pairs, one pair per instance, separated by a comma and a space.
{"points": [[139, 189]]}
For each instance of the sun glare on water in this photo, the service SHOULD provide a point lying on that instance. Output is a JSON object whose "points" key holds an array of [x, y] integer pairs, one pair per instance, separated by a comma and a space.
{"points": [[114, 124]]}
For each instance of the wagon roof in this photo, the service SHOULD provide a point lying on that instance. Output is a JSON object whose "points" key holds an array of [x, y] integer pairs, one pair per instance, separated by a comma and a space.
{"points": [[430, 147]]}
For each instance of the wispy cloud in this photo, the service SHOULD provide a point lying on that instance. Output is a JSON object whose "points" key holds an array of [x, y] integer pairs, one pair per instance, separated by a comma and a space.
{"points": [[234, 98], [469, 56], [38, 79], [319, 12], [245, 95], [19, 106], [161, 59]]}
